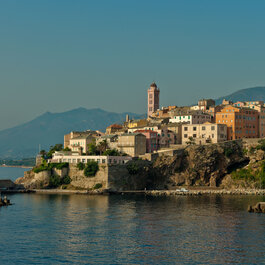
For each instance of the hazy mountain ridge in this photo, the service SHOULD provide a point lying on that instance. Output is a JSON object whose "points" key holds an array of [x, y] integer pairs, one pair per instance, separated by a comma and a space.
{"points": [[247, 94], [49, 128]]}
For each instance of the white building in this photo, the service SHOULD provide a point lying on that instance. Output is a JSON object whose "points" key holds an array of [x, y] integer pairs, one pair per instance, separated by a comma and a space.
{"points": [[74, 158], [195, 117], [80, 143]]}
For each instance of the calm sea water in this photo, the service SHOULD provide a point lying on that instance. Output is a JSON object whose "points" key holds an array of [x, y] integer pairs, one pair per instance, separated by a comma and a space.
{"points": [[81, 229], [12, 172]]}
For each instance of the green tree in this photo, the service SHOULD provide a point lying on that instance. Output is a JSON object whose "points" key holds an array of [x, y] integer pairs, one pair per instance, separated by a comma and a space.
{"points": [[102, 146], [92, 149], [112, 152], [53, 149], [91, 169]]}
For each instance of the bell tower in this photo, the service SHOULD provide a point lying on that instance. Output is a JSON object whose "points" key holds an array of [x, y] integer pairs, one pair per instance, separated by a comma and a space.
{"points": [[153, 99]]}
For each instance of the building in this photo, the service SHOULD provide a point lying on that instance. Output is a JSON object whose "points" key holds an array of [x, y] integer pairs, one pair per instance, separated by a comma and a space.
{"points": [[261, 112], [111, 139], [151, 140], [74, 158], [164, 112], [240, 122], [114, 128], [204, 104], [153, 99], [257, 102], [137, 123], [81, 143], [175, 132], [133, 144], [191, 117], [74, 134], [162, 133], [239, 104], [227, 102], [204, 133]]}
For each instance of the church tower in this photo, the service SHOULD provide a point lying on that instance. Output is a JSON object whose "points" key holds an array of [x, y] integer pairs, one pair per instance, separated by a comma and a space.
{"points": [[153, 99]]}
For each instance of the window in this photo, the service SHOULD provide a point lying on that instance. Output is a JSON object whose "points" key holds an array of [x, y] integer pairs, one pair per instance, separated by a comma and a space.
{"points": [[185, 129], [194, 135], [212, 128], [212, 135], [203, 128], [185, 136], [194, 128]]}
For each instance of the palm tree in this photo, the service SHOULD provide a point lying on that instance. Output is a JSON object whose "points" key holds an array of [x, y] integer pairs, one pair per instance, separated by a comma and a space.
{"points": [[102, 146]]}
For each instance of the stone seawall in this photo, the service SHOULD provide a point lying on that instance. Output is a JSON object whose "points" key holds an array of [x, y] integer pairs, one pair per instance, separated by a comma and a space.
{"points": [[79, 180]]}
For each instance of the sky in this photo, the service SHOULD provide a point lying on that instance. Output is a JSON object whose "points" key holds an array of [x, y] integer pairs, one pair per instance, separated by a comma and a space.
{"points": [[60, 55]]}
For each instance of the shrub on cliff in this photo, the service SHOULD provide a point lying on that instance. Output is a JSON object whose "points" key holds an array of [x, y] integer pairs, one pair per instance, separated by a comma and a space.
{"points": [[133, 168], [243, 173], [97, 186], [40, 168], [58, 165], [80, 166], [91, 169], [66, 180], [228, 151], [261, 145], [54, 182]]}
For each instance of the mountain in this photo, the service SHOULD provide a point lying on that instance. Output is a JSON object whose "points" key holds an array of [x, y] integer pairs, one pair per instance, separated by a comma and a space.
{"points": [[247, 94], [49, 129]]}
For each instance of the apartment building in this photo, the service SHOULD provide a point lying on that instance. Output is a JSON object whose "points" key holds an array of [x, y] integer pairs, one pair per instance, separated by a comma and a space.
{"points": [[133, 144], [204, 133], [192, 117], [240, 122], [151, 140]]}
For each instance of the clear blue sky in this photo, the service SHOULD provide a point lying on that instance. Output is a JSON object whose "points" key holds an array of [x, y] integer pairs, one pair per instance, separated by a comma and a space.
{"points": [[59, 55]]}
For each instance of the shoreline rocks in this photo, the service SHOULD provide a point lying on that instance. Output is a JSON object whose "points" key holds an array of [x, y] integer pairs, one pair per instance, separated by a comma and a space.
{"points": [[258, 208]]}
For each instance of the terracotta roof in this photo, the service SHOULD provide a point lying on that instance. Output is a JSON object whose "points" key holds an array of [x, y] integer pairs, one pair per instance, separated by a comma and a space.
{"points": [[145, 131], [115, 126]]}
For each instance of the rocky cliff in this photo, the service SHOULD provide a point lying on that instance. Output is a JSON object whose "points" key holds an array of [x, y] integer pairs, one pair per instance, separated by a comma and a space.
{"points": [[202, 165], [231, 164]]}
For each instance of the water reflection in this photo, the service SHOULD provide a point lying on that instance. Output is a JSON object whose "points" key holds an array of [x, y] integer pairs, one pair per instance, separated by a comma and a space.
{"points": [[80, 229]]}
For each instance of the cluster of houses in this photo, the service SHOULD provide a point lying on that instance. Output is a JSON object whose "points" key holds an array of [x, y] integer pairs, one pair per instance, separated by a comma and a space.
{"points": [[172, 126]]}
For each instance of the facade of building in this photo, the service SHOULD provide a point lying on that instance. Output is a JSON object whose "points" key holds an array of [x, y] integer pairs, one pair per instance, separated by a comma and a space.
{"points": [[153, 99], [137, 123], [151, 140], [261, 111], [204, 133], [194, 117], [227, 102], [175, 132], [80, 143], [204, 104], [133, 144], [114, 128], [240, 122], [162, 133], [111, 139], [74, 158]]}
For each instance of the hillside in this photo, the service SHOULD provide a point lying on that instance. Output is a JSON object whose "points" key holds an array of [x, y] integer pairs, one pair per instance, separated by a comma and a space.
{"points": [[49, 128], [247, 94]]}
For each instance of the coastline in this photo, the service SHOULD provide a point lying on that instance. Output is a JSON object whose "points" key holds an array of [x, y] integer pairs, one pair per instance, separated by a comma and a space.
{"points": [[16, 166], [195, 192]]}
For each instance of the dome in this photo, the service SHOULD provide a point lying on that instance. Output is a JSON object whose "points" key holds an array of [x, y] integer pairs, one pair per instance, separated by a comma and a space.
{"points": [[153, 85]]}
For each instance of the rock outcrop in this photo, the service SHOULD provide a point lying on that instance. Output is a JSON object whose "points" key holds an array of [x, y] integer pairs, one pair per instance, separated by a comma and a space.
{"points": [[201, 165]]}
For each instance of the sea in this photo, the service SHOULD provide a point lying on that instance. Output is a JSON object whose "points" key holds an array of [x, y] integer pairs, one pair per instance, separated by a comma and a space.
{"points": [[129, 229]]}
